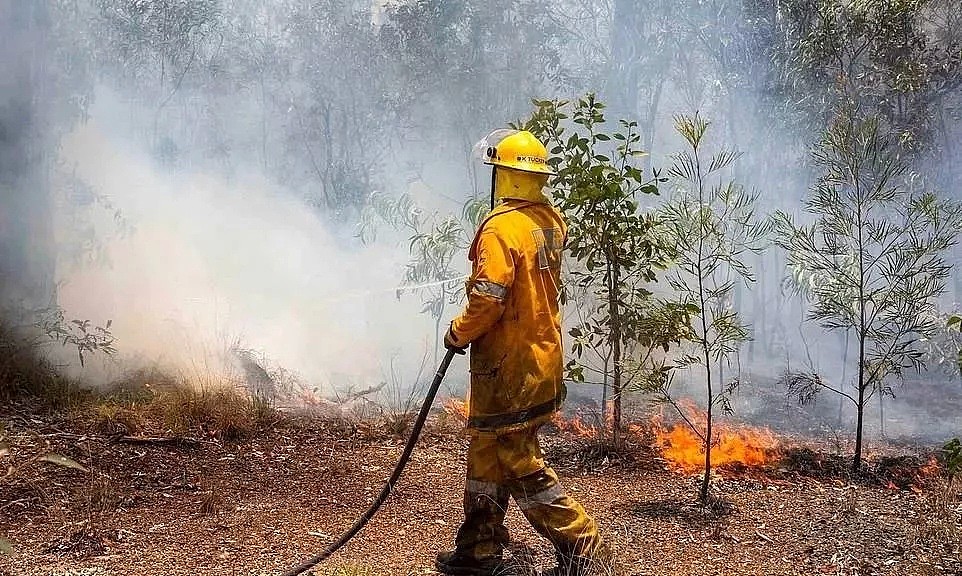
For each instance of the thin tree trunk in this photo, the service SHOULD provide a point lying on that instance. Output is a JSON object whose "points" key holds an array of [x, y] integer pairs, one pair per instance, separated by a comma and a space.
{"points": [[706, 479], [615, 311], [604, 401], [857, 462], [703, 493], [703, 315]]}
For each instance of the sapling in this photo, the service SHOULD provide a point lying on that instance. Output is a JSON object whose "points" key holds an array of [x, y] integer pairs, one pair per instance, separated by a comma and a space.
{"points": [[711, 223], [613, 253], [876, 253]]}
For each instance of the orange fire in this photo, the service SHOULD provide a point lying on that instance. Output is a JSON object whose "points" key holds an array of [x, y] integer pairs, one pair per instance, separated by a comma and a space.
{"points": [[455, 407], [731, 445], [930, 469], [575, 426], [925, 474]]}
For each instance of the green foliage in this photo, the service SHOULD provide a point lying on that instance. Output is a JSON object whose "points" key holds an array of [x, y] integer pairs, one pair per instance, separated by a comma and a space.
{"points": [[711, 222], [896, 58], [661, 324], [875, 256], [955, 321], [598, 186], [80, 334], [952, 455], [712, 227]]}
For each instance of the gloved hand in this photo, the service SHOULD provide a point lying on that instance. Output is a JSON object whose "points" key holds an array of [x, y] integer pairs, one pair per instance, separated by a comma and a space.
{"points": [[449, 343]]}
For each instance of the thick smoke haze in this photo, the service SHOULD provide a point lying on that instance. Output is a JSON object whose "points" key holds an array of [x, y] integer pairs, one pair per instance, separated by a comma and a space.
{"points": [[196, 172], [208, 263]]}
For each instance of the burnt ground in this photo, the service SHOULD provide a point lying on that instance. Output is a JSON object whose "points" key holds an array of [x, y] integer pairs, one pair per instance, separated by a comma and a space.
{"points": [[205, 506]]}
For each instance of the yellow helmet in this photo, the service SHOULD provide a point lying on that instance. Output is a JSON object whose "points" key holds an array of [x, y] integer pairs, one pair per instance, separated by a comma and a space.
{"points": [[516, 150], [520, 165]]}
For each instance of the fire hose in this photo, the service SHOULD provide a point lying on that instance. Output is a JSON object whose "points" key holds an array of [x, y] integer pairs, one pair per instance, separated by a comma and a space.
{"points": [[389, 486]]}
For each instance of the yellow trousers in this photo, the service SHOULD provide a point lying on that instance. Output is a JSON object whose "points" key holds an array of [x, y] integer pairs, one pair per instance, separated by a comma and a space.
{"points": [[512, 464]]}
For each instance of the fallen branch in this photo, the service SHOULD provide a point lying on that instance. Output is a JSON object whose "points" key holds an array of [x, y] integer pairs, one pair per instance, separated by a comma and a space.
{"points": [[177, 440]]}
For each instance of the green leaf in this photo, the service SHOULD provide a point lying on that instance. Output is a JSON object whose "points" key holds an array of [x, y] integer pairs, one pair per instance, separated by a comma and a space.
{"points": [[61, 460], [6, 548]]}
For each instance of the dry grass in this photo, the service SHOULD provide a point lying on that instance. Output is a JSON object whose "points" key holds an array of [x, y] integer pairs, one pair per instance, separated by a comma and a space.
{"points": [[113, 418], [941, 522], [212, 502], [221, 412], [145, 402], [225, 412]]}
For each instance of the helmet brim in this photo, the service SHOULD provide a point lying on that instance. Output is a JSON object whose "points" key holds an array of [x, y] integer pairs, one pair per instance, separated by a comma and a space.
{"points": [[532, 167]]}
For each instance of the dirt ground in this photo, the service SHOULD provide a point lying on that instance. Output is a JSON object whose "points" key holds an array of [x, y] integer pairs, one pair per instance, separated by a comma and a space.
{"points": [[258, 506]]}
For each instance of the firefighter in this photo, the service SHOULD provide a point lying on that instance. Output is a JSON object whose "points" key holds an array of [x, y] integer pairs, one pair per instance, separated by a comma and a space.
{"points": [[512, 323]]}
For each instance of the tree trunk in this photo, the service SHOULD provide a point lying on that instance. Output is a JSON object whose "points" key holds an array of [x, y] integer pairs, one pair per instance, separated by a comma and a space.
{"points": [[614, 295], [27, 248], [860, 407], [604, 402], [706, 479]]}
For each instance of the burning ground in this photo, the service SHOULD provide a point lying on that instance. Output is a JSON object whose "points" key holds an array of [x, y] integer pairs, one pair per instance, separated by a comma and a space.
{"points": [[199, 504]]}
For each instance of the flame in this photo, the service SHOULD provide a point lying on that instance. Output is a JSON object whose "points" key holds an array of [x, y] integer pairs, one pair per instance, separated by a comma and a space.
{"points": [[589, 429], [455, 407], [925, 474], [930, 469], [575, 426], [684, 449]]}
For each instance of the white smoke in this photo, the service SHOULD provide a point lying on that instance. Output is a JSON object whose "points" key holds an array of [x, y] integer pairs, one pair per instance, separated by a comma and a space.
{"points": [[210, 263]]}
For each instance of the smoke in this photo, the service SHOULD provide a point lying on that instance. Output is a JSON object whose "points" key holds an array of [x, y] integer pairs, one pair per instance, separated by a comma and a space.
{"points": [[219, 176], [209, 263]]}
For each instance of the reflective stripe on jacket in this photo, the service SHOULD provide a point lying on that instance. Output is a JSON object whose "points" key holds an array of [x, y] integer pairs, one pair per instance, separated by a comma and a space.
{"points": [[512, 318]]}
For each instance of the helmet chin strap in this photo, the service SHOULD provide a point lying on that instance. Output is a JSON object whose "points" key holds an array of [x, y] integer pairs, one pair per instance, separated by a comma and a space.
{"points": [[494, 169]]}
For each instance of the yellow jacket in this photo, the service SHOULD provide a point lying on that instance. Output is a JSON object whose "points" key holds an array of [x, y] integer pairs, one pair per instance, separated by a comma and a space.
{"points": [[512, 318]]}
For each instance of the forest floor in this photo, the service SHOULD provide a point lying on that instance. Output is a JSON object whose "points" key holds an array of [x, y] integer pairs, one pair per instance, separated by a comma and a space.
{"points": [[203, 506]]}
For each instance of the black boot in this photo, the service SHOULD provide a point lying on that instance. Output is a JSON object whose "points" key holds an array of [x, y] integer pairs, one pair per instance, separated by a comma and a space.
{"points": [[457, 563]]}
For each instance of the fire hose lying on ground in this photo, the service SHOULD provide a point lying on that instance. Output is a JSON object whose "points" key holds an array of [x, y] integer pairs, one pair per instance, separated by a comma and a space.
{"points": [[392, 481]]}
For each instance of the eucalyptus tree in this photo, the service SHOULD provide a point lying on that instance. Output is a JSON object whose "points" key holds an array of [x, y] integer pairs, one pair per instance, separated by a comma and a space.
{"points": [[436, 249], [158, 50], [616, 254], [876, 255], [900, 60]]}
